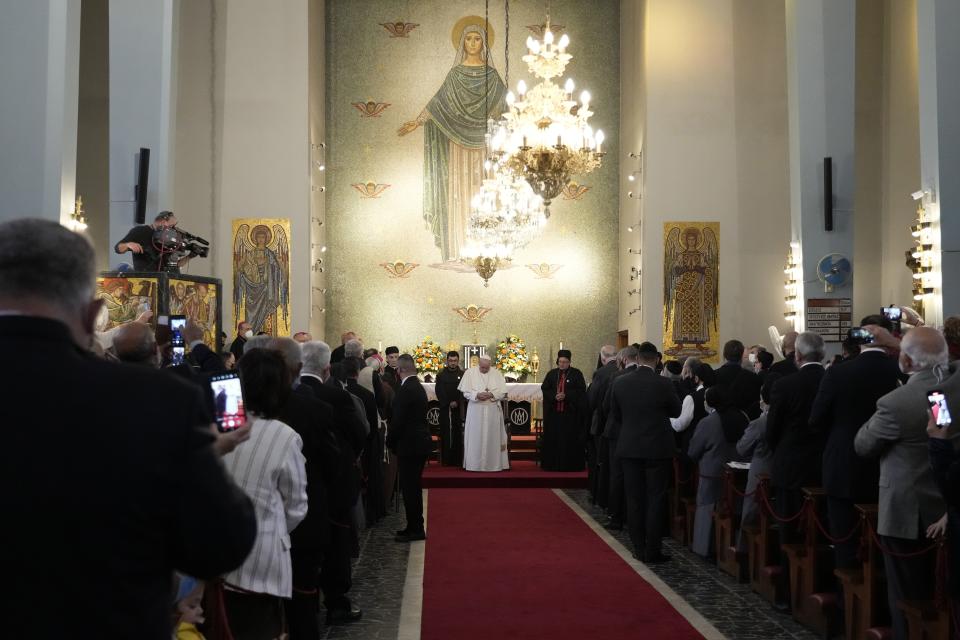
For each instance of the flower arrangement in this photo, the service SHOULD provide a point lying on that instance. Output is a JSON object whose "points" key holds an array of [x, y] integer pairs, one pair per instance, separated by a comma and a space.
{"points": [[427, 356], [512, 357]]}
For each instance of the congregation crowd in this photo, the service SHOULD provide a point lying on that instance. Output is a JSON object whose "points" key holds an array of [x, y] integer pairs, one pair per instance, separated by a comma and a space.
{"points": [[131, 515], [860, 426]]}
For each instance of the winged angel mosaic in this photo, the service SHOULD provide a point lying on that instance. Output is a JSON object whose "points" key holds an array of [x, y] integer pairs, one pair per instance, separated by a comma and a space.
{"points": [[691, 269], [261, 275]]}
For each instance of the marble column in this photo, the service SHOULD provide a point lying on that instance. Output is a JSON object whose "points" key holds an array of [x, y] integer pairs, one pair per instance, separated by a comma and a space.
{"points": [[938, 22], [143, 99], [821, 38], [39, 71]]}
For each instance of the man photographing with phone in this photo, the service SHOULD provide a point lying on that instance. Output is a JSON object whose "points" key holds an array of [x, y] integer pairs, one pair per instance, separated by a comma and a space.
{"points": [[909, 501]]}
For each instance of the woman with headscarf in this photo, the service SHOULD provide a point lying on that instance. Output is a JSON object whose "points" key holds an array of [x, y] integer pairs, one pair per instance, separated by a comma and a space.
{"points": [[454, 126], [714, 444], [566, 411]]}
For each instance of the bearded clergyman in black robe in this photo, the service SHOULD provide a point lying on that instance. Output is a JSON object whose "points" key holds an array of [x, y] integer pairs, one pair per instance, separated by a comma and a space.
{"points": [[453, 407], [566, 411]]}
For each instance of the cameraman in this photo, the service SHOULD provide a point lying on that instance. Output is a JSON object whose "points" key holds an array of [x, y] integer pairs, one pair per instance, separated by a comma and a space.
{"points": [[139, 241]]}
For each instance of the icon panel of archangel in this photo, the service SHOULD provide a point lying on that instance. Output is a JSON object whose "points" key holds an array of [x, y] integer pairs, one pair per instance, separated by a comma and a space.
{"points": [[261, 274], [691, 290]]}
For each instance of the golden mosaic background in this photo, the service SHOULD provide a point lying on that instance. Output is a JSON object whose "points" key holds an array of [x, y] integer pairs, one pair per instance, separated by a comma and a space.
{"points": [[371, 226]]}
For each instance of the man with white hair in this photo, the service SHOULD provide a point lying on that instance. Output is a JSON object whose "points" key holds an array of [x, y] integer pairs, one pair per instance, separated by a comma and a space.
{"points": [[598, 461], [484, 437], [119, 489], [910, 502]]}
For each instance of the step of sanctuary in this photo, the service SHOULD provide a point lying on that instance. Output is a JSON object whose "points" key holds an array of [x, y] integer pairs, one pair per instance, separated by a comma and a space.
{"points": [[523, 474]]}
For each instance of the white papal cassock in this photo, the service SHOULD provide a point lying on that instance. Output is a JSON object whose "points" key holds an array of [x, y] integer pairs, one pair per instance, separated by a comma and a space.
{"points": [[484, 436]]}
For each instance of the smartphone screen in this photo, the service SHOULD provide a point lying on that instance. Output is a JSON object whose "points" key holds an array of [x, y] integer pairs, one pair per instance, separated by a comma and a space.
{"points": [[178, 355], [227, 401], [177, 322], [938, 407], [861, 335], [894, 315]]}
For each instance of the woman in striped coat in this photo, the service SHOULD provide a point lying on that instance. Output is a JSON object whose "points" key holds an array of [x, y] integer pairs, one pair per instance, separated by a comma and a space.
{"points": [[269, 467]]}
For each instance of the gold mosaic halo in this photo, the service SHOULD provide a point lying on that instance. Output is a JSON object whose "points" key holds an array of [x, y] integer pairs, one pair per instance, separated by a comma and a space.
{"points": [[465, 21]]}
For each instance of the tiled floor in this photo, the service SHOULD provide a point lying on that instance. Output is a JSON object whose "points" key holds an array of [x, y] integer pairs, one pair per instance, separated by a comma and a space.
{"points": [[733, 608]]}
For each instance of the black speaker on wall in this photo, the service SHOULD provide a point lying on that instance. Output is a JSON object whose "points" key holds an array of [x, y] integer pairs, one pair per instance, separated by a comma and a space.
{"points": [[828, 194], [140, 190]]}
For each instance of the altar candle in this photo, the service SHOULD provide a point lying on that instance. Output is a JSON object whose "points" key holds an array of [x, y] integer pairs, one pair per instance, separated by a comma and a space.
{"points": [[561, 345], [380, 346]]}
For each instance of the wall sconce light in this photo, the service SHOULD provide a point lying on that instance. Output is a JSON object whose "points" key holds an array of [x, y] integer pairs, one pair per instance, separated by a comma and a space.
{"points": [[78, 219], [631, 194], [636, 251], [632, 176], [633, 291], [918, 228], [920, 250], [634, 227]]}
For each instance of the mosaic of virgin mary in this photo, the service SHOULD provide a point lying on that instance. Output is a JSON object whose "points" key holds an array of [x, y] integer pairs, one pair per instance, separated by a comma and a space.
{"points": [[454, 123]]}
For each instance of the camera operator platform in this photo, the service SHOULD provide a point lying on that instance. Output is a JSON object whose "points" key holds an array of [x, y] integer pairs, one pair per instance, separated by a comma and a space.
{"points": [[161, 246]]}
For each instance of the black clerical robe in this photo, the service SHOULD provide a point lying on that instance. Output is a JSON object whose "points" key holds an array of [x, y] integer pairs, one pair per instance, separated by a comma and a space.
{"points": [[565, 422], [451, 418]]}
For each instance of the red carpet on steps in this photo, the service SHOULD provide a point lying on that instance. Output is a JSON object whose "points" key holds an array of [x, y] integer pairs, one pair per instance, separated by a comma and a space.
{"points": [[525, 473], [520, 563]]}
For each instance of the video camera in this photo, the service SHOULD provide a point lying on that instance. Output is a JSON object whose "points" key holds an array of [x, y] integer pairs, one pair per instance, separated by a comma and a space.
{"points": [[174, 244]]}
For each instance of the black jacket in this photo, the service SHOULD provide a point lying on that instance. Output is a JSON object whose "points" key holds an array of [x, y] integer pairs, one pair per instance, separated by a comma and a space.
{"points": [[744, 386], [110, 483], [643, 403], [347, 422], [786, 366], [409, 434], [797, 448], [847, 398], [599, 385]]}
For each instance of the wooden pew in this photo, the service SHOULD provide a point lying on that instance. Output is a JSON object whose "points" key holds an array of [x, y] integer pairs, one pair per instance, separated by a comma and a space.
{"points": [[763, 550], [925, 620], [682, 496], [812, 600], [726, 522], [864, 588]]}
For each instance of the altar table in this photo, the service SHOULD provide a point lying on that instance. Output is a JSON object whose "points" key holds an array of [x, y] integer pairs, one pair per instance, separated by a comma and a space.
{"points": [[516, 391]]}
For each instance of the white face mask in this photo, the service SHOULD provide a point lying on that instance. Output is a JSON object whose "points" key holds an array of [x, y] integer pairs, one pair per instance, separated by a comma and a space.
{"points": [[752, 357], [248, 334]]}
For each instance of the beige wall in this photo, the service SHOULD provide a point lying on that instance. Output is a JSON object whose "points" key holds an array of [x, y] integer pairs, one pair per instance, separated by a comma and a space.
{"points": [[716, 150], [317, 128], [264, 162]]}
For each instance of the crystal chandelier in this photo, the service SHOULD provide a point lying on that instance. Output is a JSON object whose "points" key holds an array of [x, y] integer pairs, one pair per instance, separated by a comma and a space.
{"points": [[505, 216], [544, 136]]}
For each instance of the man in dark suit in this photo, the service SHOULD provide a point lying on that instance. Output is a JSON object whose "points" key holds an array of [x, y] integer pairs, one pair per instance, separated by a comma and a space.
{"points": [[616, 494], [338, 354], [847, 398], [372, 459], [336, 572], [598, 460], [201, 357], [744, 385], [115, 483], [244, 331], [788, 365], [797, 449], [642, 403], [409, 439]]}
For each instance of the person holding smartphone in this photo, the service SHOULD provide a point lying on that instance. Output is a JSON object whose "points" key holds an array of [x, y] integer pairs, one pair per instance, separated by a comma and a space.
{"points": [[909, 500], [945, 465]]}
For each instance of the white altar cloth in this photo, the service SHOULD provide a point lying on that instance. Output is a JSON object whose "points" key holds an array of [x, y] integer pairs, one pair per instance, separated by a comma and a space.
{"points": [[516, 391]]}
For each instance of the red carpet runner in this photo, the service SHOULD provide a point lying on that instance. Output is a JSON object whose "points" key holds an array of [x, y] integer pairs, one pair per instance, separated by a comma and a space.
{"points": [[518, 563]]}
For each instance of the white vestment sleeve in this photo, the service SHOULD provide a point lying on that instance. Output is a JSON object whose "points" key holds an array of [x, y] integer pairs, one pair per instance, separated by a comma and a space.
{"points": [[686, 415]]}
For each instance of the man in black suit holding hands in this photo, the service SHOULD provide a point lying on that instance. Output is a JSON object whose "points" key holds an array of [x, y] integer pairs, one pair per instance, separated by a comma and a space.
{"points": [[744, 385], [643, 403], [409, 439]]}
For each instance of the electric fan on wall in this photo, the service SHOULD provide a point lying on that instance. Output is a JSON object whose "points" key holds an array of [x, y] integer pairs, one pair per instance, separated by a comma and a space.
{"points": [[834, 271]]}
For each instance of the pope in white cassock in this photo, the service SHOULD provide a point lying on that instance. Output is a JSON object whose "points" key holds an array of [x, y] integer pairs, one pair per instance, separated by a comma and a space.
{"points": [[484, 437]]}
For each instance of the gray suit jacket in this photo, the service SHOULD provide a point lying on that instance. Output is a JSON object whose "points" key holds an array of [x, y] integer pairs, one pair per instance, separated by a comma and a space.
{"points": [[897, 434]]}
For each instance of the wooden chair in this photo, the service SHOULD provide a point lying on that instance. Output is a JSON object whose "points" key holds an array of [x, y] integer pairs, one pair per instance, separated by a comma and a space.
{"points": [[763, 550], [925, 621], [677, 505], [864, 588], [726, 521], [811, 571]]}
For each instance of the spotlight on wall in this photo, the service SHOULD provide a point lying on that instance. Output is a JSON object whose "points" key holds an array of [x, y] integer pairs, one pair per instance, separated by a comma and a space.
{"points": [[633, 311], [636, 251], [320, 289], [634, 227], [633, 154], [317, 220], [633, 291], [633, 176], [631, 194], [918, 195]]}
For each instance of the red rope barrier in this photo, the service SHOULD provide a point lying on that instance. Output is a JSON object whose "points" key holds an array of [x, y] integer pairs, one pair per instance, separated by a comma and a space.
{"points": [[826, 535], [772, 514], [894, 554]]}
